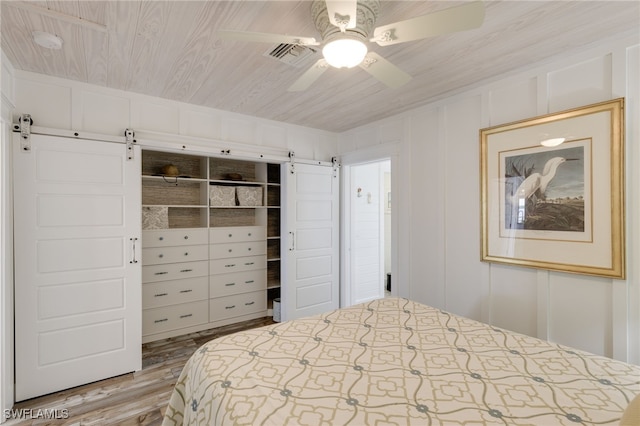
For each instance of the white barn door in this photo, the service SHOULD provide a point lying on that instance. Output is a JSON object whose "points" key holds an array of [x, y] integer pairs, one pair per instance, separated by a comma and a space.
{"points": [[311, 236], [77, 275]]}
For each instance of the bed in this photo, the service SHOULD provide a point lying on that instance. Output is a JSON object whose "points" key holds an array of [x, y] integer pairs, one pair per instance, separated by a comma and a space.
{"points": [[395, 361]]}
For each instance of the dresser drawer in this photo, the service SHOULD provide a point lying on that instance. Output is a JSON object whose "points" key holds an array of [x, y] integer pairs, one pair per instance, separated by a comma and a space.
{"points": [[174, 317], [252, 248], [239, 304], [174, 271], [238, 282], [237, 264], [174, 237], [236, 234], [166, 293], [161, 255]]}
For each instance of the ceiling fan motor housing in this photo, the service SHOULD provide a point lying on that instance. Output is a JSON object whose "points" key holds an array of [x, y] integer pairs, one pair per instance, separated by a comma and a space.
{"points": [[367, 13]]}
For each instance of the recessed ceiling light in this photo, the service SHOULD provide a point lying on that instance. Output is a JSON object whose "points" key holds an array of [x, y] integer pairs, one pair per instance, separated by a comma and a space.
{"points": [[47, 40]]}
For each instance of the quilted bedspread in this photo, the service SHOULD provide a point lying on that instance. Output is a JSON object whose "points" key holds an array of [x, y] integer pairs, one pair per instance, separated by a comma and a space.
{"points": [[394, 361]]}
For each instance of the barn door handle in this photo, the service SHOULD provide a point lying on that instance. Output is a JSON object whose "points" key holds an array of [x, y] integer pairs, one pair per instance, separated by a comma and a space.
{"points": [[133, 250]]}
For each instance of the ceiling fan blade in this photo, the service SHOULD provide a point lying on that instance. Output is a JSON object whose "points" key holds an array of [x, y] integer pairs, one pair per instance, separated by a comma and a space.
{"points": [[459, 18], [343, 13], [267, 37], [309, 76], [384, 70]]}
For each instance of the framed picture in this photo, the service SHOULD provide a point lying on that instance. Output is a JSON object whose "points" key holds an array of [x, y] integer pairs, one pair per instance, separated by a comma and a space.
{"points": [[552, 191]]}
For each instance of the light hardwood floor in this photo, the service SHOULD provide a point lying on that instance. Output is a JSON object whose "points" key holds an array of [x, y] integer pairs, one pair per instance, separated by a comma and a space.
{"points": [[138, 398]]}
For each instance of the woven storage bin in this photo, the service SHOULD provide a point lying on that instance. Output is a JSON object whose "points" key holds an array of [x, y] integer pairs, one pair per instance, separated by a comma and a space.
{"points": [[222, 196], [249, 196], [155, 217]]}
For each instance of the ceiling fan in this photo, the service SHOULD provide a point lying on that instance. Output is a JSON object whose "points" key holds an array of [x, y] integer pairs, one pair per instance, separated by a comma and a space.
{"points": [[346, 26]]}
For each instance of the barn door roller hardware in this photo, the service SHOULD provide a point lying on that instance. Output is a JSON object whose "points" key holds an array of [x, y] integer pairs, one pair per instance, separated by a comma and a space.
{"points": [[25, 122], [292, 159], [129, 138]]}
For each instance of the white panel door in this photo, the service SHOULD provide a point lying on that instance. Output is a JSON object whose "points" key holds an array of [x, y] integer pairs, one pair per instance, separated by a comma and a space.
{"points": [[77, 275], [366, 238], [311, 235]]}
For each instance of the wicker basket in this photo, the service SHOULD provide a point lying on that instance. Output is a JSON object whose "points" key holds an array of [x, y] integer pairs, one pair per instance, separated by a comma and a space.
{"points": [[155, 217], [249, 196], [222, 196]]}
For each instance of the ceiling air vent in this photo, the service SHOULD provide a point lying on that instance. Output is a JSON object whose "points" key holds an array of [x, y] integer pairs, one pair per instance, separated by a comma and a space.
{"points": [[292, 54]]}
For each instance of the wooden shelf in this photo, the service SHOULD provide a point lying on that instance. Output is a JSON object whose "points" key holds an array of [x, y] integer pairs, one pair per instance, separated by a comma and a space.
{"points": [[236, 182], [198, 206], [171, 180], [238, 207]]}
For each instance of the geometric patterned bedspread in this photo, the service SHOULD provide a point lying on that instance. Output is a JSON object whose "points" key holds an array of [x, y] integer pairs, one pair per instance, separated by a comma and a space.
{"points": [[394, 361]]}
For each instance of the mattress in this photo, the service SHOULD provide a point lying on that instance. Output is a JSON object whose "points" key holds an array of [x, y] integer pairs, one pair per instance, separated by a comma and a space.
{"points": [[395, 361]]}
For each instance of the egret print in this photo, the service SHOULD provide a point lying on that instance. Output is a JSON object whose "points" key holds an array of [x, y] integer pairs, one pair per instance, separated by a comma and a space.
{"points": [[544, 190]]}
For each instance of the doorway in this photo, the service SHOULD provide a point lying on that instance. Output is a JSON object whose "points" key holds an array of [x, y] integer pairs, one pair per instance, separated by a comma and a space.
{"points": [[368, 231]]}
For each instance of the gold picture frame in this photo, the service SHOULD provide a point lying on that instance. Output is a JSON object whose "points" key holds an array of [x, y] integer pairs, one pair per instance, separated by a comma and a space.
{"points": [[556, 207]]}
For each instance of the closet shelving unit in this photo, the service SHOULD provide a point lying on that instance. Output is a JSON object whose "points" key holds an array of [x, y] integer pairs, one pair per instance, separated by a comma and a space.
{"points": [[187, 200]]}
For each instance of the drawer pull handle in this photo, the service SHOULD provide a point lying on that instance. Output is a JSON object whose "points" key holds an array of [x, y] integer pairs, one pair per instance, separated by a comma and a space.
{"points": [[249, 248], [229, 284], [186, 316], [160, 295], [230, 307], [249, 303], [231, 265], [161, 255], [161, 238], [249, 233], [186, 254], [161, 320], [230, 250], [186, 291], [161, 273], [186, 237], [248, 282], [230, 235], [186, 270], [249, 263]]}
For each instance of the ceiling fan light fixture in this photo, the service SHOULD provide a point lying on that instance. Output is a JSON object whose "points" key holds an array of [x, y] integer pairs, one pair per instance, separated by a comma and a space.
{"points": [[344, 52]]}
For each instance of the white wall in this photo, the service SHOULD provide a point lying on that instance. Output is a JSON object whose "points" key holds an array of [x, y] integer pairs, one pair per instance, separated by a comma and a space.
{"points": [[439, 160], [6, 239], [64, 104]]}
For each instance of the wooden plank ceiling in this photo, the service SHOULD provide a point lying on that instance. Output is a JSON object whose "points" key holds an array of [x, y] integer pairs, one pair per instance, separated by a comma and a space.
{"points": [[170, 49]]}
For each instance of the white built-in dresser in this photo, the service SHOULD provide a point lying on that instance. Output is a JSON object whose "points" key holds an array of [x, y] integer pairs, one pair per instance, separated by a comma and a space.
{"points": [[205, 263]]}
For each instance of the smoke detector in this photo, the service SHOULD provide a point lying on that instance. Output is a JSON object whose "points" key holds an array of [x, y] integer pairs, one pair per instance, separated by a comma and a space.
{"points": [[47, 40]]}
